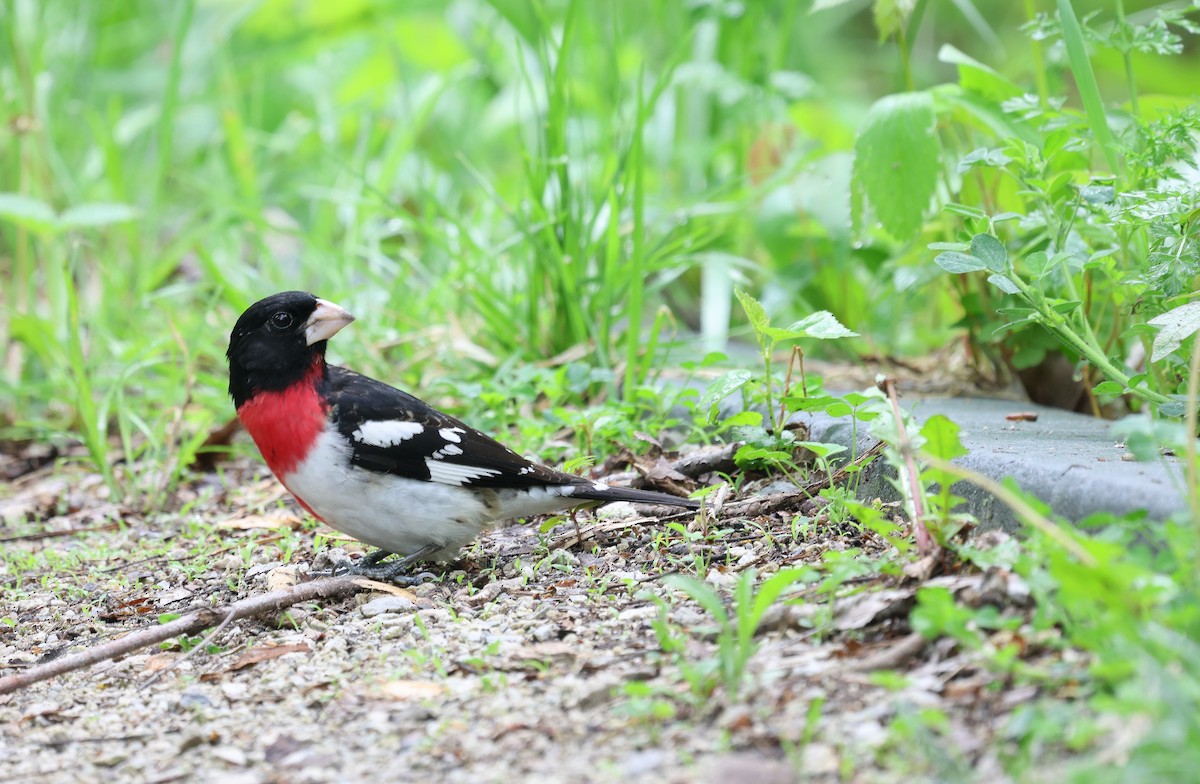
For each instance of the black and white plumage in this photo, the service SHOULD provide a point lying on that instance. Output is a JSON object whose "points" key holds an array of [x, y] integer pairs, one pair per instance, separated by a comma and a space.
{"points": [[373, 461]]}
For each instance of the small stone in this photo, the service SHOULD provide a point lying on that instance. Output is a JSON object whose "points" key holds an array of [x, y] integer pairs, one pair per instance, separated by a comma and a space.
{"points": [[387, 604], [194, 699], [230, 754]]}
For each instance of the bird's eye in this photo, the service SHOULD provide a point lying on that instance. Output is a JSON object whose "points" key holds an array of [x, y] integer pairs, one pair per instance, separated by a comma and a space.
{"points": [[281, 320]]}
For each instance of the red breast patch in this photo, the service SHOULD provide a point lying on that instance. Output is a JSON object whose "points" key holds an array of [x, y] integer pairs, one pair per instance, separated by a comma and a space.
{"points": [[286, 424]]}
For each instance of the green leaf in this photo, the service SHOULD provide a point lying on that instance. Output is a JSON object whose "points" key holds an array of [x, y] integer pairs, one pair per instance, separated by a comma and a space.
{"points": [[990, 251], [1004, 284], [1175, 326], [897, 161], [744, 419], [821, 449], [701, 593], [755, 313], [722, 387], [941, 438], [822, 325], [977, 77], [1065, 306], [958, 263], [96, 215], [1108, 388], [28, 212], [1037, 263]]}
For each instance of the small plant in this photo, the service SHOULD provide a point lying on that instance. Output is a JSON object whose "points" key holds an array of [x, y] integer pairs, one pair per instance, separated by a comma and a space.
{"points": [[736, 629]]}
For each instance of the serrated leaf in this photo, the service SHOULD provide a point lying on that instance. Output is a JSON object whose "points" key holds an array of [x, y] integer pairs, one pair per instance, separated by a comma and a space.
{"points": [[990, 251], [755, 312], [1098, 194], [96, 215], [958, 263], [1174, 326], [941, 438], [1004, 284], [722, 387], [822, 324], [27, 211], [897, 161]]}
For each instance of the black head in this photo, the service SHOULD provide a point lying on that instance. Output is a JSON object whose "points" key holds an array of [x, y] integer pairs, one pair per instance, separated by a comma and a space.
{"points": [[278, 340]]}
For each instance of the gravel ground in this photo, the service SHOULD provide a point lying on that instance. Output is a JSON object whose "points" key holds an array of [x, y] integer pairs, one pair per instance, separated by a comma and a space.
{"points": [[535, 658]]}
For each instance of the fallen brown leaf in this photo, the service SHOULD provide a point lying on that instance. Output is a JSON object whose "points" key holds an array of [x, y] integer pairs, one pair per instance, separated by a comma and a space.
{"points": [[394, 590], [410, 690], [266, 653]]}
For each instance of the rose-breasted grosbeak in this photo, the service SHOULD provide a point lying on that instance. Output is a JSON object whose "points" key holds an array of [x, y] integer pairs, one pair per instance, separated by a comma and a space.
{"points": [[373, 461]]}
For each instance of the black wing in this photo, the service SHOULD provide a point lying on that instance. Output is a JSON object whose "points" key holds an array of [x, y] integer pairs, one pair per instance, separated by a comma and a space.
{"points": [[393, 432]]}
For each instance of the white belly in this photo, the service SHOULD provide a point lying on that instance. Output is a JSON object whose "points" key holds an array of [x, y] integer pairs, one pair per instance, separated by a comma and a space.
{"points": [[403, 515]]}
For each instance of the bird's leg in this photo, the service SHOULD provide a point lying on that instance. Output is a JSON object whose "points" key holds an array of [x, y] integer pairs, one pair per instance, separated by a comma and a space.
{"points": [[575, 520], [373, 559], [370, 567]]}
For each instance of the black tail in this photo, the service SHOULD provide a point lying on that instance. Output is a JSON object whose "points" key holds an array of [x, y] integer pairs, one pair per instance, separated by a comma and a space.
{"points": [[594, 491]]}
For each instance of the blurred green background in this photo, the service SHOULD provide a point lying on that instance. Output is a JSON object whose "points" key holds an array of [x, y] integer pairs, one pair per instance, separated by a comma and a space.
{"points": [[483, 183]]}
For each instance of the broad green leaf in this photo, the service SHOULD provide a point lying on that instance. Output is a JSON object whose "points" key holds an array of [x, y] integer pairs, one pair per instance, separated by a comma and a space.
{"points": [[822, 324], [1004, 284], [958, 263], [1175, 326], [990, 251], [1037, 263], [1108, 388], [821, 449], [722, 387], [96, 215], [27, 211], [977, 77], [941, 438], [897, 161], [744, 419]]}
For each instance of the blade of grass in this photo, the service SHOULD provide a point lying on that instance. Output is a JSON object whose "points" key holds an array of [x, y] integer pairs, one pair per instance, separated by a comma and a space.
{"points": [[1085, 81]]}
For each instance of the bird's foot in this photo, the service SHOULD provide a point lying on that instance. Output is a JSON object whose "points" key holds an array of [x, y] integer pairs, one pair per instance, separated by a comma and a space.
{"points": [[372, 567]]}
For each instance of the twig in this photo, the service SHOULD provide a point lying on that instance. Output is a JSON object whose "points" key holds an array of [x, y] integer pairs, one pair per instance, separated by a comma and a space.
{"points": [[892, 657], [327, 588], [198, 646]]}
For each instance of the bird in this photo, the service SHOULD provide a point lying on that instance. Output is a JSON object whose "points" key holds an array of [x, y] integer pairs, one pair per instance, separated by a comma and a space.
{"points": [[375, 462]]}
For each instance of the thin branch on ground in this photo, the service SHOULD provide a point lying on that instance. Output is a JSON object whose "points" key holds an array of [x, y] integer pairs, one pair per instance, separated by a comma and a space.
{"points": [[329, 588]]}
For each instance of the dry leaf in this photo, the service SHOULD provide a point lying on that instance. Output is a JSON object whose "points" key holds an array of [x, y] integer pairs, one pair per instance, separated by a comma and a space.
{"points": [[266, 653], [159, 661], [410, 690], [394, 590]]}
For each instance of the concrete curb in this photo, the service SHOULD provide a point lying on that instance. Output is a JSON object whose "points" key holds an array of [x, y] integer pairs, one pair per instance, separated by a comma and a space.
{"points": [[1068, 460]]}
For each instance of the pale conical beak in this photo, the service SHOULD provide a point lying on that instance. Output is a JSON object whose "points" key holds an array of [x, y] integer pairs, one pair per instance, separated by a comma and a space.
{"points": [[325, 321]]}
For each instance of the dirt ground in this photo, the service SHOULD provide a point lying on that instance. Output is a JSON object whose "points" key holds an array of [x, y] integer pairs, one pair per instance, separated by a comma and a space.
{"points": [[536, 658]]}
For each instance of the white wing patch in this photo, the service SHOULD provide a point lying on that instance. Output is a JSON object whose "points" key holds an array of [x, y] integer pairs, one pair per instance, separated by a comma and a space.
{"points": [[456, 474], [387, 433], [452, 434], [448, 449]]}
